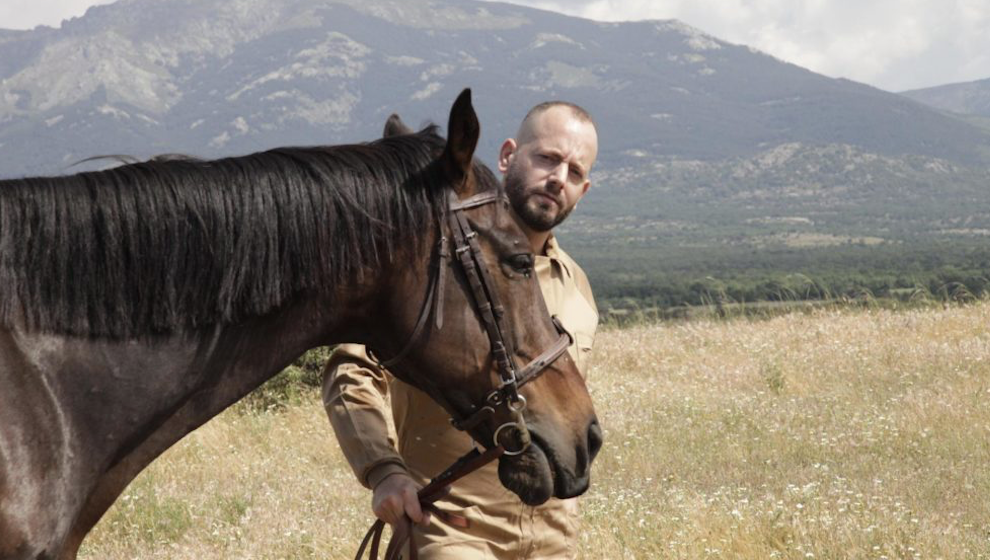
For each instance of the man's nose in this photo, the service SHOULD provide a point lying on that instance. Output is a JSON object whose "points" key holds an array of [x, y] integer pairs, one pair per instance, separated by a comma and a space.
{"points": [[558, 176]]}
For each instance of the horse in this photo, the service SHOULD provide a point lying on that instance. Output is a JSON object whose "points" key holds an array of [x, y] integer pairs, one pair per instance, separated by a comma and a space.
{"points": [[139, 302]]}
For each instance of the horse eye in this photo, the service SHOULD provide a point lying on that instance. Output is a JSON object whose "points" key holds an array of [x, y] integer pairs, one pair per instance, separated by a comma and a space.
{"points": [[522, 263]]}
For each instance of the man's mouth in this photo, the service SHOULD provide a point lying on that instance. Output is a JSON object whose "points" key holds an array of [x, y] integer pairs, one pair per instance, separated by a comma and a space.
{"points": [[544, 198]]}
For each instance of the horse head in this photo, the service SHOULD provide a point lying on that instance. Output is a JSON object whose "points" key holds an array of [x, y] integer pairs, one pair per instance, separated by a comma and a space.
{"points": [[473, 331]]}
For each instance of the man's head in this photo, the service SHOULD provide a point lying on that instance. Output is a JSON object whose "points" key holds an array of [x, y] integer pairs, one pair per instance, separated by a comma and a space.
{"points": [[547, 165]]}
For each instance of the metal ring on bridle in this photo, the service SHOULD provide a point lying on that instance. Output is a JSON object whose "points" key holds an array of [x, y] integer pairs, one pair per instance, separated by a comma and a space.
{"points": [[499, 430], [518, 404]]}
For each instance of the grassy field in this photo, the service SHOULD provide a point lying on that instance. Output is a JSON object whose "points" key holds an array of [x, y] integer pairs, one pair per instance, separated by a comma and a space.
{"points": [[828, 434]]}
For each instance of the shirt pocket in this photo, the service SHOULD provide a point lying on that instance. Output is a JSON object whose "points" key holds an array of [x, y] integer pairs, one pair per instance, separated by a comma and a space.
{"points": [[583, 343]]}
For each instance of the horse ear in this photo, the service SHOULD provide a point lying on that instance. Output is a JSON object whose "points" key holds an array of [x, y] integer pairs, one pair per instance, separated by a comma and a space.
{"points": [[395, 127], [463, 131]]}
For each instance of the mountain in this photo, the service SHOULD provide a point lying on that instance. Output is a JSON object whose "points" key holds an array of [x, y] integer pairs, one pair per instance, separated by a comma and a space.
{"points": [[969, 98], [715, 158], [216, 77]]}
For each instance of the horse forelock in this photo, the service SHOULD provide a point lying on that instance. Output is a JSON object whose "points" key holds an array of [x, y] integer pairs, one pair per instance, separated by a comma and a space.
{"points": [[174, 244]]}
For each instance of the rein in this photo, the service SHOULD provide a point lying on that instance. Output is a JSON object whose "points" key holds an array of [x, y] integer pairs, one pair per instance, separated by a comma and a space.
{"points": [[503, 403], [427, 495]]}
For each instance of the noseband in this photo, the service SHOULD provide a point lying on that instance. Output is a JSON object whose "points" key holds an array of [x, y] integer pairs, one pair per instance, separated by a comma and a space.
{"points": [[504, 401]]}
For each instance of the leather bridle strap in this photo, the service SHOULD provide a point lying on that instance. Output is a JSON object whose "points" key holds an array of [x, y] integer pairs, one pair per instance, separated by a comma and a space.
{"points": [[486, 300], [531, 371], [431, 305], [427, 495], [539, 364]]}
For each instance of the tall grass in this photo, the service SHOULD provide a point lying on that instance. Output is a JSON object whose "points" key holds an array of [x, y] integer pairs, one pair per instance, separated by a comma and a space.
{"points": [[835, 433]]}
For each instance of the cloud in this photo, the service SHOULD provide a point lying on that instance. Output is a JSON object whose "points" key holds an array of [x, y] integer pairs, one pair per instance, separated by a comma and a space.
{"points": [[892, 44], [28, 14]]}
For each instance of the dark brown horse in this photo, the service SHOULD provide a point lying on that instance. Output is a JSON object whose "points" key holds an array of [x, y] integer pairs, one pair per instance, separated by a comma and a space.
{"points": [[139, 302]]}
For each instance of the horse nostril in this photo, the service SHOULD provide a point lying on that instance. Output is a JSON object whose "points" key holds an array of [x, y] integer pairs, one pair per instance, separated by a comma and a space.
{"points": [[594, 438]]}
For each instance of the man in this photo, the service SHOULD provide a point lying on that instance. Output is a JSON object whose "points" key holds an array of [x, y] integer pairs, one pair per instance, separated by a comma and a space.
{"points": [[546, 171]]}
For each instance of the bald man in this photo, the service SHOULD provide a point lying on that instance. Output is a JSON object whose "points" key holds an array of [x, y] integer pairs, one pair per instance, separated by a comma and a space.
{"points": [[546, 171]]}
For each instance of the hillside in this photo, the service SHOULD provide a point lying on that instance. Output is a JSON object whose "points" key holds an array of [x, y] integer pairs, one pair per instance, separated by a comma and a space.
{"points": [[217, 77], [970, 98], [716, 159], [793, 221]]}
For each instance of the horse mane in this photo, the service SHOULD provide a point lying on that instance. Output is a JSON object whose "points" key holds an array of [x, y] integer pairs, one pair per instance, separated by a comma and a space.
{"points": [[177, 243]]}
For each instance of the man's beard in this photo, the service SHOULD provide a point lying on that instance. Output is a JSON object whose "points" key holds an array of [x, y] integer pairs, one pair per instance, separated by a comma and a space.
{"points": [[532, 210]]}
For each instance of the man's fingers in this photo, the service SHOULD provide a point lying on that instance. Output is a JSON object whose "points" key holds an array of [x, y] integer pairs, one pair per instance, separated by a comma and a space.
{"points": [[389, 509], [396, 497], [412, 508]]}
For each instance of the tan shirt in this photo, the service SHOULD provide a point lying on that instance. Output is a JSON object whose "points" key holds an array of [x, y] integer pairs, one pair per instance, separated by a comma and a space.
{"points": [[423, 443]]}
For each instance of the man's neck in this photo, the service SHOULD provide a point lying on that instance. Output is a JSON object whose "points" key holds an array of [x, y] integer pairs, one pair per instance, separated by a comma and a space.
{"points": [[538, 241]]}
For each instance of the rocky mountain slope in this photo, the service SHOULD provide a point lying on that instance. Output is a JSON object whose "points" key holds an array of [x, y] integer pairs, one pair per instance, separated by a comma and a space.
{"points": [[214, 77]]}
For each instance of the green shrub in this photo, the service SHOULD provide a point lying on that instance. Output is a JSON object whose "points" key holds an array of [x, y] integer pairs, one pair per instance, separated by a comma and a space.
{"points": [[291, 385]]}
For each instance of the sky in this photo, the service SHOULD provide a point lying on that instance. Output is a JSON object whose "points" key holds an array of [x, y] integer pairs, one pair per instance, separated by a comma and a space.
{"points": [[891, 44]]}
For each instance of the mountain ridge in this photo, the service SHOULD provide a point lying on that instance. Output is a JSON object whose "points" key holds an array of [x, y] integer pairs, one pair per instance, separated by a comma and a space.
{"points": [[967, 98], [220, 77]]}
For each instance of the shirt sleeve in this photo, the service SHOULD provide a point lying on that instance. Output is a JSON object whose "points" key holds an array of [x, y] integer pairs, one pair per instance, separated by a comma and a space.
{"points": [[355, 395]]}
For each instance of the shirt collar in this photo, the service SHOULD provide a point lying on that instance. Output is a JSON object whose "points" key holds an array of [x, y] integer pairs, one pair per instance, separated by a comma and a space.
{"points": [[552, 251]]}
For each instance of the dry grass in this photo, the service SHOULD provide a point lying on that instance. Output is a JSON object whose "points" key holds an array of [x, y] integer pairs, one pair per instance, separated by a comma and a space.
{"points": [[839, 434]]}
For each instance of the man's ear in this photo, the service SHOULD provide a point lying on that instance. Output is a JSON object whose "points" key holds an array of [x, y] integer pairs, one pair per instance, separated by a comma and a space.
{"points": [[463, 131], [505, 154], [395, 127]]}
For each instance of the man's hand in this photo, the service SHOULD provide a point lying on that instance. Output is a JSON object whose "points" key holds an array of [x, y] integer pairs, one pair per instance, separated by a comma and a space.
{"points": [[394, 497]]}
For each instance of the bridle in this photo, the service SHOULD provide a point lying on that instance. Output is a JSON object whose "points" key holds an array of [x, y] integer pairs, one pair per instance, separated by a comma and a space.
{"points": [[503, 403]]}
